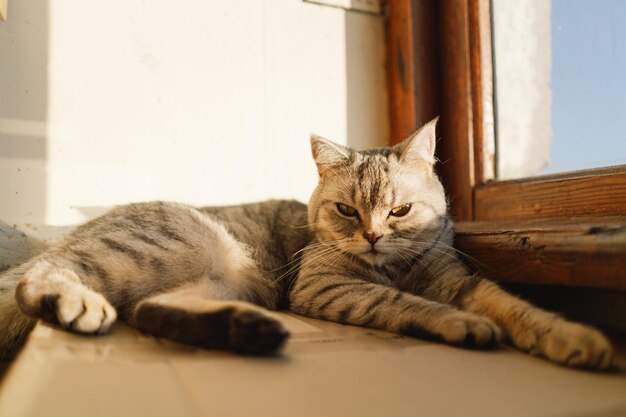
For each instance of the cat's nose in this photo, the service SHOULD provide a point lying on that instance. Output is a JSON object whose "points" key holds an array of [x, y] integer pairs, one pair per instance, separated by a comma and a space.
{"points": [[372, 237]]}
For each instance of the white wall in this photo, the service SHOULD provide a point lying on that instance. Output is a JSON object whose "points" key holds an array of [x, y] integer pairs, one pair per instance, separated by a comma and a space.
{"points": [[203, 102]]}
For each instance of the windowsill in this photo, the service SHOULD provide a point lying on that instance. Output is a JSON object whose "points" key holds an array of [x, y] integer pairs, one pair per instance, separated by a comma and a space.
{"points": [[327, 369], [579, 251]]}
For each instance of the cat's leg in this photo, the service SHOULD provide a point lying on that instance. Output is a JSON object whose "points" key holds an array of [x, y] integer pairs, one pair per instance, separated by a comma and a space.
{"points": [[209, 315], [57, 295], [331, 296], [529, 328], [540, 332]]}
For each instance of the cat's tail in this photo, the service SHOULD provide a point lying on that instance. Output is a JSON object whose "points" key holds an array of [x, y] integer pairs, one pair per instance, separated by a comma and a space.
{"points": [[14, 325]]}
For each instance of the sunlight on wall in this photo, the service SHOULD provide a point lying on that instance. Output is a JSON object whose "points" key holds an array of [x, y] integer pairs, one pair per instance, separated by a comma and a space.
{"points": [[205, 103]]}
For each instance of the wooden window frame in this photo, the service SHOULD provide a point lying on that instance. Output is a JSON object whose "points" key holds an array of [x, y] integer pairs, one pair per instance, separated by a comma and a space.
{"points": [[567, 228]]}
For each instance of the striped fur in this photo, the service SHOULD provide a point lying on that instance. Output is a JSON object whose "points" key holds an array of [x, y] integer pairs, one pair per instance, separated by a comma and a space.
{"points": [[410, 280], [373, 248], [126, 261]]}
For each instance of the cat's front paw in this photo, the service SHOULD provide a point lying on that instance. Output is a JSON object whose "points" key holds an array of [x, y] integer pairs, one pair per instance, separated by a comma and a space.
{"points": [[471, 331], [459, 328], [576, 345], [83, 312], [70, 304]]}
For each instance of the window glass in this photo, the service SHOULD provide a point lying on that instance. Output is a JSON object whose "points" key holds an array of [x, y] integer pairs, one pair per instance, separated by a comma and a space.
{"points": [[560, 78]]}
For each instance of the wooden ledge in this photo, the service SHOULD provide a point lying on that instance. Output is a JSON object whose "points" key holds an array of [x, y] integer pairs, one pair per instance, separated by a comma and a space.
{"points": [[589, 252], [591, 193]]}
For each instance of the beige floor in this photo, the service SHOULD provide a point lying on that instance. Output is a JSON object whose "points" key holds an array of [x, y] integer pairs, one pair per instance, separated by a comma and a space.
{"points": [[326, 370]]}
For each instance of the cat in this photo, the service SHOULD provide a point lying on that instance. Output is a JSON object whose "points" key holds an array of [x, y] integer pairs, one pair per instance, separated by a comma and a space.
{"points": [[373, 248]]}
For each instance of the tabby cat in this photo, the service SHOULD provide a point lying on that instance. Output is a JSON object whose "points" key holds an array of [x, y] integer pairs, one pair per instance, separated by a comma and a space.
{"points": [[373, 248]]}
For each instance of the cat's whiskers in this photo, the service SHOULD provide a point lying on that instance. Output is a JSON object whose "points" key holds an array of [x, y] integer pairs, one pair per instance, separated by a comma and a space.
{"points": [[415, 252], [406, 259], [443, 251], [316, 245], [319, 266], [326, 247], [320, 262], [412, 257], [475, 261], [425, 251]]}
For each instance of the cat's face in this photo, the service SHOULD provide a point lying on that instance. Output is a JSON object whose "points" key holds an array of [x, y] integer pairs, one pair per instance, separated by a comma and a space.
{"points": [[379, 205]]}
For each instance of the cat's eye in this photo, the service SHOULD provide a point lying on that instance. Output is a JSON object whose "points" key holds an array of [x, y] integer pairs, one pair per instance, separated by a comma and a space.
{"points": [[346, 210], [400, 210]]}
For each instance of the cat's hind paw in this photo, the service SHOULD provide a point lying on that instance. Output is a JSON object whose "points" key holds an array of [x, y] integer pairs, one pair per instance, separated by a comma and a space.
{"points": [[223, 325], [255, 333]]}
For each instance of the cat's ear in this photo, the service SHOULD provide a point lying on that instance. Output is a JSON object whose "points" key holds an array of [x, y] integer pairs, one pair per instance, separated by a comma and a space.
{"points": [[327, 154], [419, 148]]}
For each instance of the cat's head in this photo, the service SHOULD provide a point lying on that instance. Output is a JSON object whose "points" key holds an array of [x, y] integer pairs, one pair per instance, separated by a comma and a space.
{"points": [[376, 204]]}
